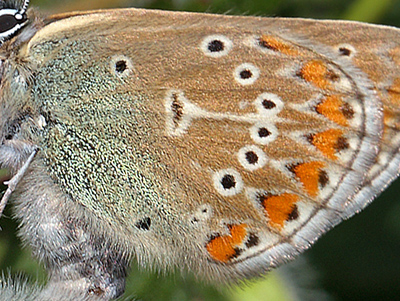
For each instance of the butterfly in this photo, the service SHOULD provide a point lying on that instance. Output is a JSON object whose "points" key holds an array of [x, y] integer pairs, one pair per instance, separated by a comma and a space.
{"points": [[222, 145]]}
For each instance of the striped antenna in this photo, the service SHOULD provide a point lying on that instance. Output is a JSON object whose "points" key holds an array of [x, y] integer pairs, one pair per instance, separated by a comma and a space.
{"points": [[24, 7]]}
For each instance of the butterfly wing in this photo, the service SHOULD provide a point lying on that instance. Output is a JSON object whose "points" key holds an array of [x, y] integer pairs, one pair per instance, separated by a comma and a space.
{"points": [[226, 144]]}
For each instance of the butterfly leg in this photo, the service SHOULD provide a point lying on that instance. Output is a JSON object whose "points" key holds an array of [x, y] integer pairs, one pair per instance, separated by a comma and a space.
{"points": [[13, 182], [77, 250]]}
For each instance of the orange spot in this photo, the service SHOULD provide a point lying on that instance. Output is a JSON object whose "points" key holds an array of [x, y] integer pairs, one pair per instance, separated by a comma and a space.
{"points": [[328, 142], [395, 55], [279, 208], [275, 44], [333, 108], [310, 175], [224, 248], [317, 73], [394, 92], [390, 119]]}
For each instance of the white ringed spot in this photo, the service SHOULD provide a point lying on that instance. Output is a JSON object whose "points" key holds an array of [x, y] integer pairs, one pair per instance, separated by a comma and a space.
{"points": [[268, 104], [252, 157], [346, 50], [246, 74], [121, 65], [228, 182], [216, 45], [263, 133]]}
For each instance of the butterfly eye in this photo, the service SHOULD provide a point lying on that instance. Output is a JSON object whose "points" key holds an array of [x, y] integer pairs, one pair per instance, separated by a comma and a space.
{"points": [[12, 20]]}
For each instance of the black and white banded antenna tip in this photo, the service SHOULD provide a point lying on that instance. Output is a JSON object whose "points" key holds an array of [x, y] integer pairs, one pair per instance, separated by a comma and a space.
{"points": [[12, 20]]}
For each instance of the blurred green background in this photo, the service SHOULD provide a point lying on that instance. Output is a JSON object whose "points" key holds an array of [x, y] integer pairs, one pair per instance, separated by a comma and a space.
{"points": [[358, 260]]}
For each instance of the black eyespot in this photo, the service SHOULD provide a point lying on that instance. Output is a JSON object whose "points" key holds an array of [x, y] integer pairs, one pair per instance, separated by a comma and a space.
{"points": [[263, 132], [216, 46], [245, 74], [344, 51], [251, 157], [120, 66], [144, 224], [228, 181], [268, 104]]}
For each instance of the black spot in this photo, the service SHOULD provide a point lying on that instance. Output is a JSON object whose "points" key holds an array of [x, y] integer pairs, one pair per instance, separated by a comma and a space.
{"points": [[194, 220], [342, 144], [213, 236], [237, 253], [347, 111], [228, 181], [252, 241], [310, 138], [177, 109], [204, 210], [251, 157], [120, 66], [144, 224], [245, 74], [265, 44], [294, 214], [323, 178], [262, 197], [9, 136], [216, 46], [344, 51], [263, 132], [268, 104], [292, 167]]}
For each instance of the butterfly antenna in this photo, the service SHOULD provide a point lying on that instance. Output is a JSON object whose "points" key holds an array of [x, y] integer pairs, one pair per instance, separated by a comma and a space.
{"points": [[24, 7]]}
